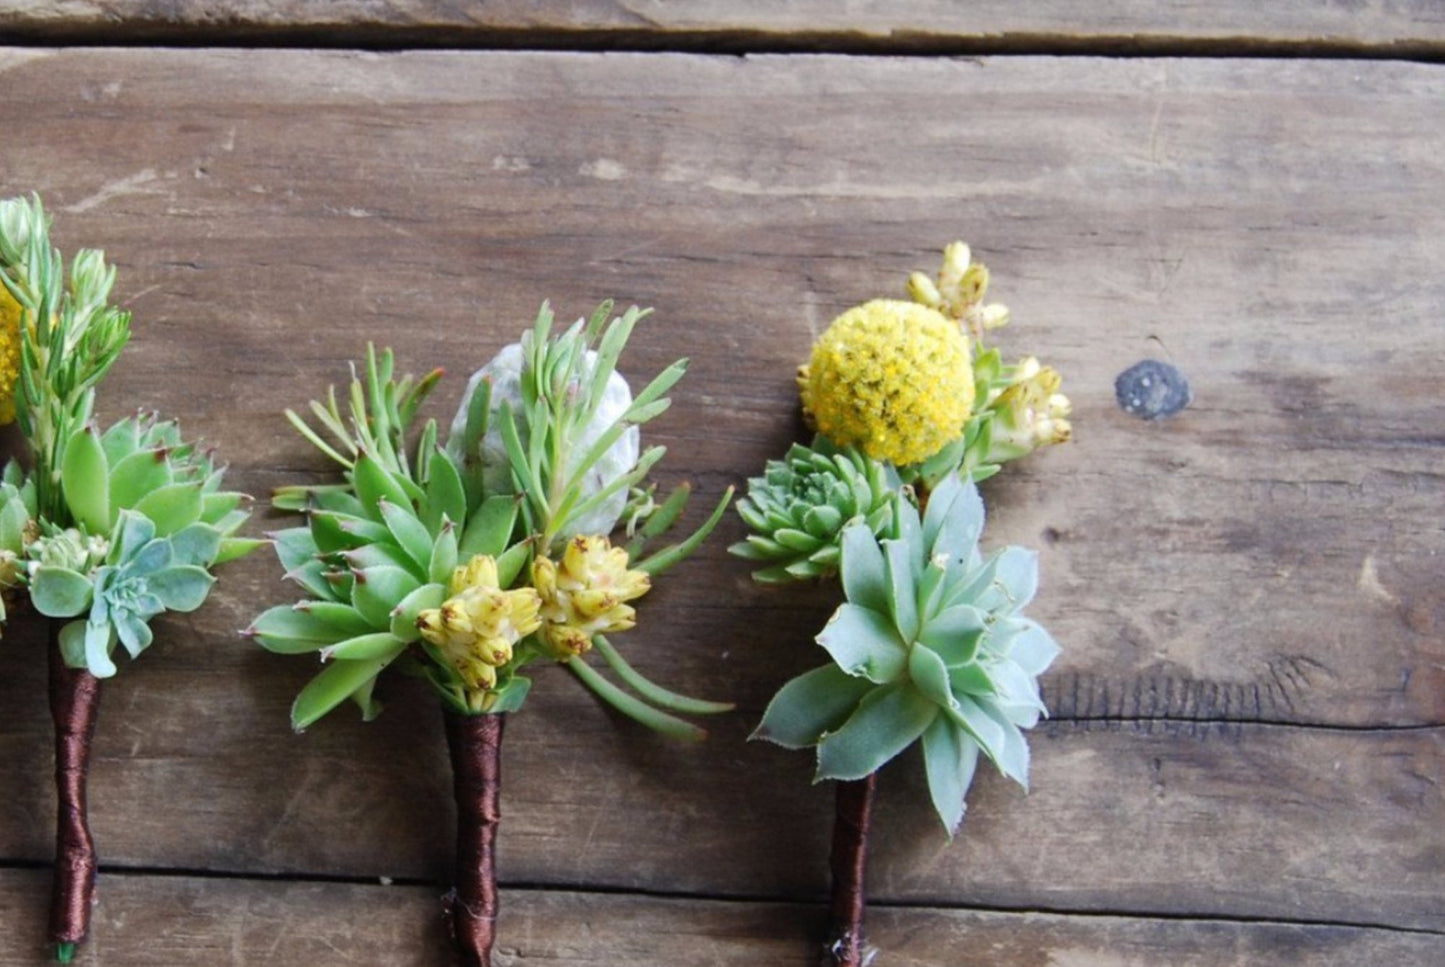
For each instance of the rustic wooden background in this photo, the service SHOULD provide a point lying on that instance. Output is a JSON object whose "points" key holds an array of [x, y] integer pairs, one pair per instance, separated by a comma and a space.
{"points": [[1247, 750]]}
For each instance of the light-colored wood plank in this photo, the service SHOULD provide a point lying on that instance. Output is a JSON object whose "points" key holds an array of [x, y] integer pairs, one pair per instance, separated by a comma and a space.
{"points": [[1408, 28], [151, 921], [1272, 555]]}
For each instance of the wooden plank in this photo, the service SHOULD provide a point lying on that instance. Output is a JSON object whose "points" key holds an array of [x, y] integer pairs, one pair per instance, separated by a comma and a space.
{"points": [[1270, 556], [152, 921], [1408, 28], [1168, 819]]}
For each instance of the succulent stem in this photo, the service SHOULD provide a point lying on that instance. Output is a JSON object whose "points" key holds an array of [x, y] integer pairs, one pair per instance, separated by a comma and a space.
{"points": [[846, 946], [475, 744], [74, 701]]}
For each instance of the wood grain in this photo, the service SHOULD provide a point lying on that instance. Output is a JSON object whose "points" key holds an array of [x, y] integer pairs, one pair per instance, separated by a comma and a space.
{"points": [[1404, 28], [1250, 705], [151, 921]]}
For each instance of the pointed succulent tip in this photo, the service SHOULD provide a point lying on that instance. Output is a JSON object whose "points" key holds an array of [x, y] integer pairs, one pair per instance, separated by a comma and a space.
{"points": [[64, 952]]}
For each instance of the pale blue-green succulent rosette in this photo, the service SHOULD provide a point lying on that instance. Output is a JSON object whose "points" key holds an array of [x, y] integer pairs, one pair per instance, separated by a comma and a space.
{"points": [[932, 645]]}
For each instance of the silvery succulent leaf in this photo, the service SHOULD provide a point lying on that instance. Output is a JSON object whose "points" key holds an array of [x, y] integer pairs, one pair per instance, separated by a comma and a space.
{"points": [[930, 645], [505, 372]]}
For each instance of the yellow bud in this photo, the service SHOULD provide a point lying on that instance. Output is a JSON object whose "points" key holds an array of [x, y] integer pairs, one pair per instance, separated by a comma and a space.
{"points": [[922, 290]]}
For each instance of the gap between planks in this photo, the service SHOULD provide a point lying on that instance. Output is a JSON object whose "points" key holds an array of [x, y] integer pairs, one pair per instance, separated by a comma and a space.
{"points": [[737, 899], [901, 44]]}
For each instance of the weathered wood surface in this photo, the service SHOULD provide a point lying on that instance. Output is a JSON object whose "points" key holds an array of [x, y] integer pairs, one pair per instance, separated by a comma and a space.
{"points": [[162, 921], [1398, 28], [1250, 709]]}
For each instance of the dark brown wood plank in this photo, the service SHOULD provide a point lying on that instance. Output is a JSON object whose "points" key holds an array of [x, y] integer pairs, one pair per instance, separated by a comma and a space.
{"points": [[1220, 820], [161, 921], [1411, 28], [1270, 556]]}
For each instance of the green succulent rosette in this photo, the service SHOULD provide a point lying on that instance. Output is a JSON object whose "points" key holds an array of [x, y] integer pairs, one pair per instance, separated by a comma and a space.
{"points": [[459, 559], [150, 522], [800, 504], [931, 645]]}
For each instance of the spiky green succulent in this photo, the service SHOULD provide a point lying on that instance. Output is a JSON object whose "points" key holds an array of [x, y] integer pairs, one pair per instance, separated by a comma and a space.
{"points": [[413, 513], [800, 505], [931, 644], [151, 520], [17, 530]]}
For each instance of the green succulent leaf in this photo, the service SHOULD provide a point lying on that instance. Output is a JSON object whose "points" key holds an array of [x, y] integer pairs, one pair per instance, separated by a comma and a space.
{"points": [[444, 557], [930, 676], [378, 590], [341, 618], [235, 548], [72, 644], [1034, 649], [133, 632], [287, 630], [377, 644], [294, 547], [136, 475], [955, 633], [59, 592], [374, 483], [172, 508], [336, 683], [181, 587], [403, 617], [446, 496], [811, 705], [950, 757], [510, 695], [85, 481], [98, 641], [489, 529], [198, 544], [953, 521], [864, 643], [865, 576], [14, 517], [898, 560], [410, 533], [888, 720]]}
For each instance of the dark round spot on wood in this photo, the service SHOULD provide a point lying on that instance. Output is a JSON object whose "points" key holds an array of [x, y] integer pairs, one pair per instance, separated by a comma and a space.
{"points": [[1152, 390]]}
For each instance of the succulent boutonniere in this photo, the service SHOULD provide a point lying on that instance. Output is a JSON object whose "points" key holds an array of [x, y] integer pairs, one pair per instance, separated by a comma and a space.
{"points": [[469, 558], [931, 643], [106, 530]]}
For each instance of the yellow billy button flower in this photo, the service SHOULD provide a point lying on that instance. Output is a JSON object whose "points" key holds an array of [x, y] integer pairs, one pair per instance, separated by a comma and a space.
{"points": [[893, 378], [11, 314], [585, 594], [477, 626]]}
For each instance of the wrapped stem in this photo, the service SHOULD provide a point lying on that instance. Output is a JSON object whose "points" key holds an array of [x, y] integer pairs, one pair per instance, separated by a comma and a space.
{"points": [[475, 744], [74, 701], [846, 946]]}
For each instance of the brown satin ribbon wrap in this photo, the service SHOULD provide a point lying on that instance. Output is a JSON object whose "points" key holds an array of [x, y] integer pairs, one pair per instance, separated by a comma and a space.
{"points": [[475, 744], [849, 861], [74, 700]]}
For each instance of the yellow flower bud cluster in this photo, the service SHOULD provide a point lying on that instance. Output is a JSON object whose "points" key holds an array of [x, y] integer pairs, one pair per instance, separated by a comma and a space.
{"points": [[893, 378], [585, 594], [959, 290], [1030, 412], [11, 314], [477, 626]]}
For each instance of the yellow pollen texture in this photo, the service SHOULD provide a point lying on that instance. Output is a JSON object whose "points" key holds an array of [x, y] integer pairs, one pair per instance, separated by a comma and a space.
{"points": [[893, 378]]}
